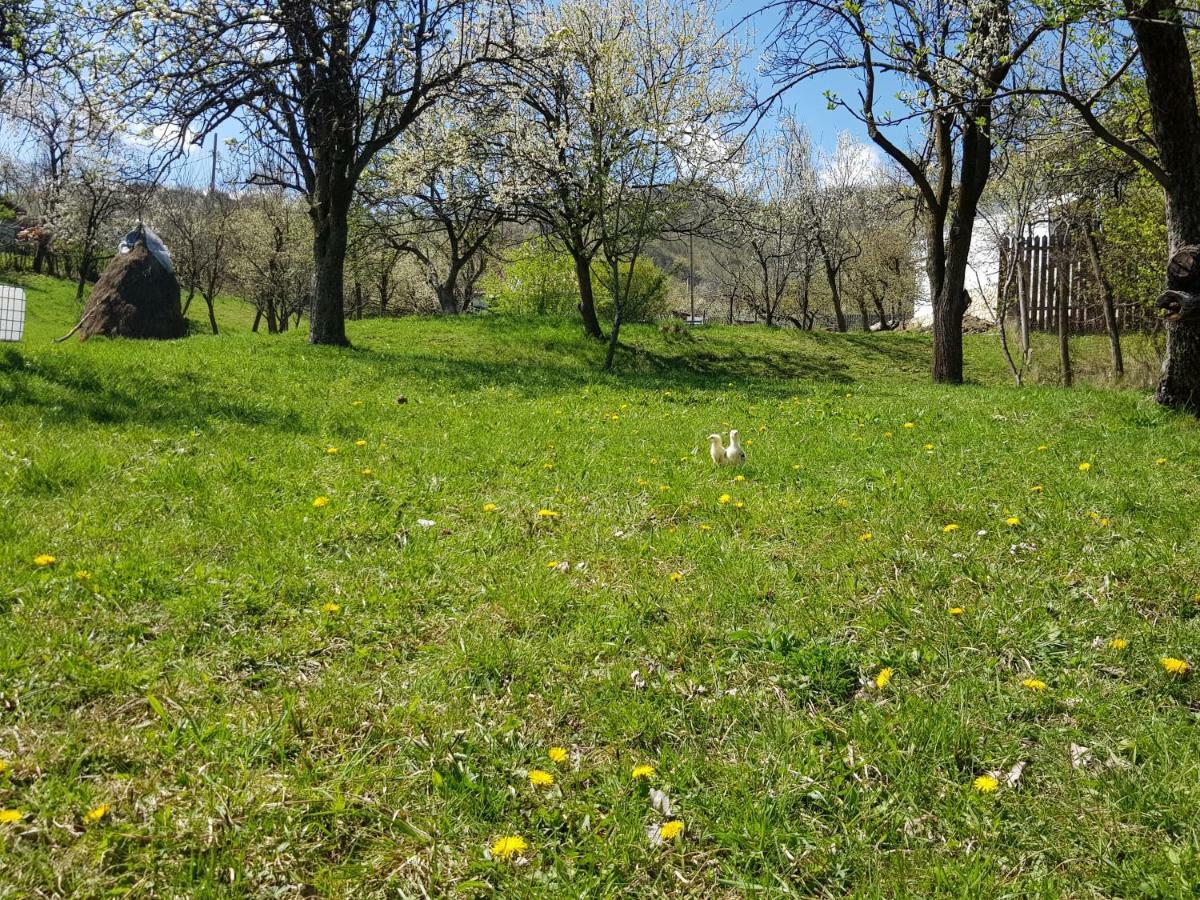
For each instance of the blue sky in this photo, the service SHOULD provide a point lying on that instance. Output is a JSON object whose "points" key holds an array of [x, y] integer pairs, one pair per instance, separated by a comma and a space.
{"points": [[806, 101]]}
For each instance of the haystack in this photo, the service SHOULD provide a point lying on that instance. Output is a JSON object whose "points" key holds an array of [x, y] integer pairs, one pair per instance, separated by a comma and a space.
{"points": [[136, 297]]}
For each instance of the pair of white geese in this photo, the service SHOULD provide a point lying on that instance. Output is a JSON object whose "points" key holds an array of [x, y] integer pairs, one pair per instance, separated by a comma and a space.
{"points": [[733, 455]]}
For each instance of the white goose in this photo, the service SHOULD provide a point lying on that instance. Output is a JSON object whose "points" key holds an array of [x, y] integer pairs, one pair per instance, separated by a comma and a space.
{"points": [[716, 449], [734, 454]]}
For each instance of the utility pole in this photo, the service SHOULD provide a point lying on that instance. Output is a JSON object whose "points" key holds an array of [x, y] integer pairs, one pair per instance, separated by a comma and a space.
{"points": [[212, 180]]}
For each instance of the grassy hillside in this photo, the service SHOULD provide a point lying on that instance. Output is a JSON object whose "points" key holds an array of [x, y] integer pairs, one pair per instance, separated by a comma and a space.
{"points": [[300, 639]]}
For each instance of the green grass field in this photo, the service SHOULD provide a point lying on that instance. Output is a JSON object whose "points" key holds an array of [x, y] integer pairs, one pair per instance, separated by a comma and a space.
{"points": [[257, 694]]}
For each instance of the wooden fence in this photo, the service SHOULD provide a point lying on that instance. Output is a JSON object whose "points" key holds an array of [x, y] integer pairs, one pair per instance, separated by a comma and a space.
{"points": [[1055, 270]]}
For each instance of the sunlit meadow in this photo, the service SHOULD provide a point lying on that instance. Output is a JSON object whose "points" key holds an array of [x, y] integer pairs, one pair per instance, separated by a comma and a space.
{"points": [[452, 613]]}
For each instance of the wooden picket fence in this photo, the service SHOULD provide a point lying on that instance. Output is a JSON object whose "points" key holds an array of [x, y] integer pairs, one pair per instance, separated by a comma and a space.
{"points": [[1053, 270]]}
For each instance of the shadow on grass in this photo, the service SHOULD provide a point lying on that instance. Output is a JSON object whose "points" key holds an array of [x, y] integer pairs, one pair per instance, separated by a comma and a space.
{"points": [[64, 391], [168, 384]]}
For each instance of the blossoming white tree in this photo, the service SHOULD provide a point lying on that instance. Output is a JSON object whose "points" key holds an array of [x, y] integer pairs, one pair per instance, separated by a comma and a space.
{"points": [[321, 87], [624, 105]]}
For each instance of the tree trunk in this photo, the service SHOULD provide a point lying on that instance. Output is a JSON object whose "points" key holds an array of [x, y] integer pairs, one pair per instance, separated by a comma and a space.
{"points": [[1064, 334], [587, 300], [948, 336], [84, 265], [257, 318], [1106, 301], [834, 293], [1170, 87], [327, 317], [618, 305], [212, 313]]}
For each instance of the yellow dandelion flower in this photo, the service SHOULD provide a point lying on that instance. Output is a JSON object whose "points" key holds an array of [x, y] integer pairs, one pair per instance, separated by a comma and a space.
{"points": [[929, 446], [320, 501], [547, 465], [724, 498], [509, 846], [1013, 521], [43, 560], [642, 771], [1042, 448], [1084, 466], [739, 478], [490, 507], [985, 784], [956, 610], [1118, 644], [664, 487], [677, 576], [540, 778], [669, 831], [614, 417], [796, 466], [1102, 521], [1034, 684], [946, 529], [642, 482], [547, 514], [368, 472], [704, 526], [360, 443], [882, 679], [83, 575], [356, 403], [3, 766], [331, 450], [1173, 666], [331, 608], [93, 816], [909, 425], [557, 754], [1161, 461], [843, 503], [9, 816], [1037, 489], [866, 536], [739, 505]]}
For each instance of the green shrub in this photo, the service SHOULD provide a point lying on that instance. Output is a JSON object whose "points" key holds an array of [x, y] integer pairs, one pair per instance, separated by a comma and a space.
{"points": [[536, 278]]}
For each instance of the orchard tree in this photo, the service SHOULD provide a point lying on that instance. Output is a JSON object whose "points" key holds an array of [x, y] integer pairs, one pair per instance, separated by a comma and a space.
{"points": [[320, 88], [771, 231], [440, 195], [1101, 50], [953, 61], [617, 102]]}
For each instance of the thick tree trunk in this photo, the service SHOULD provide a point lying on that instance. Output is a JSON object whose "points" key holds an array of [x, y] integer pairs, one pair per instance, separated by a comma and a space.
{"points": [[1170, 87], [447, 304], [327, 319], [257, 318], [835, 295], [1106, 302], [948, 336], [587, 300]]}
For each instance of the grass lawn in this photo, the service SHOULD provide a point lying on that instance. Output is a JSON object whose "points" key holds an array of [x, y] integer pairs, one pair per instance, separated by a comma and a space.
{"points": [[299, 639]]}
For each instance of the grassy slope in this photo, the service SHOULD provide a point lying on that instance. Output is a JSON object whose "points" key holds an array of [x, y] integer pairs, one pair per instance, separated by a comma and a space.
{"points": [[252, 742]]}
